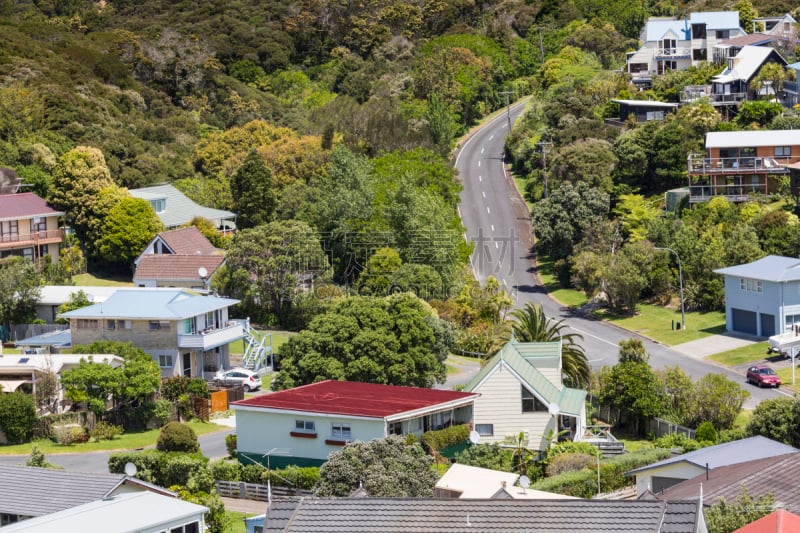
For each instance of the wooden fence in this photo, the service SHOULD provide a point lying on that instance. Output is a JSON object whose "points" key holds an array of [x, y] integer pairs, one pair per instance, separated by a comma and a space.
{"points": [[253, 491]]}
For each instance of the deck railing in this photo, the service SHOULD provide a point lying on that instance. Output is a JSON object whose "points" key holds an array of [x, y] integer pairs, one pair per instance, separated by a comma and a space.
{"points": [[699, 164]]}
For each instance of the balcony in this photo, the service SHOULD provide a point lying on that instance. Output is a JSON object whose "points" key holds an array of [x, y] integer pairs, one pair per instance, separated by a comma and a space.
{"points": [[212, 338], [30, 239], [673, 53], [732, 193], [692, 93], [701, 165]]}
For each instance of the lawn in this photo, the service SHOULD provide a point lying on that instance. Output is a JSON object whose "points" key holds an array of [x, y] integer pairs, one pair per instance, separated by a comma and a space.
{"points": [[786, 378], [656, 322], [740, 356], [568, 297], [278, 338], [127, 441], [520, 185], [90, 280], [237, 521]]}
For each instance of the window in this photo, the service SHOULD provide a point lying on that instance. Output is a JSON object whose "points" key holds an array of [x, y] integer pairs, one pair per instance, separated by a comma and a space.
{"points": [[751, 285], [723, 34], [38, 224], [699, 54], [307, 426], [159, 205], [165, 361], [698, 31], [655, 115], [485, 430], [341, 431], [111, 324], [194, 527], [530, 403], [792, 321], [159, 324], [85, 323], [395, 428], [783, 151]]}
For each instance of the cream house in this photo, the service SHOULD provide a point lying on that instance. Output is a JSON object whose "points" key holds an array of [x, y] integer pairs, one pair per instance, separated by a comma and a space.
{"points": [[28, 227], [521, 391]]}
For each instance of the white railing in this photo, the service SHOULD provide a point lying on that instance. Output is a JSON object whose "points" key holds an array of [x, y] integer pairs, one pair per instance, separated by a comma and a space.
{"points": [[673, 52], [212, 338]]}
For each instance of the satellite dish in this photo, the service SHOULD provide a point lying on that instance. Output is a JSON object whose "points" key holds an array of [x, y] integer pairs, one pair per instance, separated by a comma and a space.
{"points": [[474, 437], [202, 272], [553, 409], [524, 482], [130, 469]]}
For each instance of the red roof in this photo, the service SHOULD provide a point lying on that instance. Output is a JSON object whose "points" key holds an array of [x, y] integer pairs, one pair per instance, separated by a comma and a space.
{"points": [[777, 522], [355, 399], [176, 267], [24, 205], [187, 241]]}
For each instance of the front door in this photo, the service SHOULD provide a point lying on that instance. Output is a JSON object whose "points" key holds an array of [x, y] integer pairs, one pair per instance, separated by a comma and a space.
{"points": [[187, 364]]}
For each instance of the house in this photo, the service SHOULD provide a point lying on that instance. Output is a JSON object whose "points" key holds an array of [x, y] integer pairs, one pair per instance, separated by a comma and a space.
{"points": [[412, 515], [178, 258], [186, 332], [175, 209], [51, 297], [464, 481], [311, 421], [23, 372], [29, 227], [521, 391], [779, 521], [738, 164], [782, 27], [142, 512], [791, 88], [763, 297], [670, 44], [29, 492], [776, 475], [51, 342], [660, 476], [728, 48], [644, 110]]}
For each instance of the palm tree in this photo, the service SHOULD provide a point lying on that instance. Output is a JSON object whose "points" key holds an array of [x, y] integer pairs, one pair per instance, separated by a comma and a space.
{"points": [[533, 326]]}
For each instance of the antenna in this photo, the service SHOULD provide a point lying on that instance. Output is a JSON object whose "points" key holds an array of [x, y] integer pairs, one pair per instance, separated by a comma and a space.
{"points": [[474, 437]]}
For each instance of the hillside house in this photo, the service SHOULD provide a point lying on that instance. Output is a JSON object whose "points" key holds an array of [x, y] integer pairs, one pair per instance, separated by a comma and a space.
{"points": [[178, 258], [186, 332], [738, 164], [29, 227], [175, 209]]}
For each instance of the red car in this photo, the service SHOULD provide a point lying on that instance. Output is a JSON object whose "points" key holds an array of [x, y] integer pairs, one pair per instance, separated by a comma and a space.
{"points": [[763, 376]]}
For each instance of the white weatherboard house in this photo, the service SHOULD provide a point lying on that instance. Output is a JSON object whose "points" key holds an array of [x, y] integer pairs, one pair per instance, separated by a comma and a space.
{"points": [[763, 297], [307, 423], [521, 391]]}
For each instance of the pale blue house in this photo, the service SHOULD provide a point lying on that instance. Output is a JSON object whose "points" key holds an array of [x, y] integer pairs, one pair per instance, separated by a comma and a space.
{"points": [[762, 298]]}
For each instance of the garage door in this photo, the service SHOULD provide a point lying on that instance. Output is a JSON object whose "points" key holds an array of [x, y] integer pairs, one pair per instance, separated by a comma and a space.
{"points": [[767, 325], [744, 321]]}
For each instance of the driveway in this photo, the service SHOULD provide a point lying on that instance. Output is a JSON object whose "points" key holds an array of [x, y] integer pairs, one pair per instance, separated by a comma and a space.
{"points": [[714, 344]]}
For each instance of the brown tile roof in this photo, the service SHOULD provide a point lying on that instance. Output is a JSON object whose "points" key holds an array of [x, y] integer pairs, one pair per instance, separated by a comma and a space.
{"points": [[749, 40], [776, 475], [24, 205], [176, 267], [188, 241]]}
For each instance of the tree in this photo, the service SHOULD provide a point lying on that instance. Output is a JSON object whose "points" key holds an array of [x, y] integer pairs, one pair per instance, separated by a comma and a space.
{"points": [[79, 177], [388, 340], [775, 419], [677, 392], [441, 122], [634, 389], [385, 468], [209, 231], [17, 416], [91, 383], [375, 279], [769, 80], [747, 13], [587, 160], [491, 456], [758, 112], [37, 459], [533, 326], [716, 399], [76, 300], [177, 437], [633, 350], [268, 262], [19, 291], [253, 192], [127, 229], [724, 517]]}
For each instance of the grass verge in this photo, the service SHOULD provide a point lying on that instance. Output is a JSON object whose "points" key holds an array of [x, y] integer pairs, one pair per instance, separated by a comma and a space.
{"points": [[278, 338], [127, 441], [786, 378], [743, 355], [90, 280], [237, 521], [568, 297], [656, 322]]}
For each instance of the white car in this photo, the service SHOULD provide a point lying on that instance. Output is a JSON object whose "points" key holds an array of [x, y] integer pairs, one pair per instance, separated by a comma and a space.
{"points": [[248, 379]]}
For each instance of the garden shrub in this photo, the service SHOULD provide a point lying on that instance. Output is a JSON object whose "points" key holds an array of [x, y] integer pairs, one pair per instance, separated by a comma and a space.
{"points": [[178, 468], [177, 437], [17, 416], [490, 456], [678, 440], [105, 431], [569, 446], [252, 473], [161, 468], [567, 462], [442, 438], [223, 470], [163, 411], [293, 477], [230, 444], [705, 432], [68, 435]]}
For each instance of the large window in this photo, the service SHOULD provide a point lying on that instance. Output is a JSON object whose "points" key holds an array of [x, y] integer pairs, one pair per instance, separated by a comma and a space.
{"points": [[85, 323], [751, 285], [783, 151], [165, 361], [530, 403], [485, 430]]}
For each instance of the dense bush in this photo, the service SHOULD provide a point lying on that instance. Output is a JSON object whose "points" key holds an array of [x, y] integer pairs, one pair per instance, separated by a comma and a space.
{"points": [[678, 440], [567, 462], [69, 434], [17, 416], [177, 437], [173, 388], [291, 476], [230, 444], [569, 446], [706, 433], [224, 470], [442, 438], [105, 431], [162, 468], [486, 456]]}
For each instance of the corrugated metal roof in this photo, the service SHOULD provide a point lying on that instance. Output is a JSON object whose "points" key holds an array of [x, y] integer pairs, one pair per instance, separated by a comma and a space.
{"points": [[25, 205], [646, 103], [176, 267], [752, 138], [774, 268], [152, 304], [716, 20], [51, 338], [656, 29], [745, 64], [749, 40], [180, 209], [58, 294]]}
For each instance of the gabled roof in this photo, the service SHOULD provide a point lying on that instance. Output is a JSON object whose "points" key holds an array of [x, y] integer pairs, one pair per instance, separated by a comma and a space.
{"points": [[121, 513], [746, 64], [657, 28], [523, 358], [775, 475], [753, 39], [25, 205], [480, 516], [176, 267], [728, 453], [58, 294], [716, 20], [475, 482], [752, 138], [180, 209], [350, 398], [780, 521], [774, 268], [188, 241], [152, 304], [33, 491]]}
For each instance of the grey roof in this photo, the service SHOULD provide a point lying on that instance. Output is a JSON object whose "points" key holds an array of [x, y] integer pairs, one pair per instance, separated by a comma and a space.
{"points": [[524, 358], [771, 268], [746, 64], [728, 453], [180, 209], [151, 304], [38, 491], [752, 138], [646, 103], [131, 512], [425, 515], [51, 338]]}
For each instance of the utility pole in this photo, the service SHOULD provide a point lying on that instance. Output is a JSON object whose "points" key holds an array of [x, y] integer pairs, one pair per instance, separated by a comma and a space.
{"points": [[508, 107], [544, 145]]}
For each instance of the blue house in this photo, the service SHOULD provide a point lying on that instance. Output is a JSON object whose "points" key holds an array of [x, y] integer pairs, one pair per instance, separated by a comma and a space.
{"points": [[763, 297]]}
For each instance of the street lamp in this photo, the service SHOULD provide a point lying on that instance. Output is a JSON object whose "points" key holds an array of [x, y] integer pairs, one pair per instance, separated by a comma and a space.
{"points": [[680, 281]]}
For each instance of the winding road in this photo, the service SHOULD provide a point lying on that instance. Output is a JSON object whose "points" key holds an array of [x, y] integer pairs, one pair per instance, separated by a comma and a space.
{"points": [[497, 220]]}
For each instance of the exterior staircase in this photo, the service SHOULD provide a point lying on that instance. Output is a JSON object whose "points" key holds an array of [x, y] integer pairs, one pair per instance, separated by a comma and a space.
{"points": [[257, 349]]}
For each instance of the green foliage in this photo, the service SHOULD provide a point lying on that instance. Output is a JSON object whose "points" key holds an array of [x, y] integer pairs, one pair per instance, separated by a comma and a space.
{"points": [[679, 441], [716, 399], [224, 470], [775, 418], [105, 431], [384, 467], [37, 459], [69, 434], [706, 433], [19, 291], [216, 519], [633, 351], [177, 437], [127, 229], [162, 468], [490, 456], [253, 192], [568, 462], [634, 389], [162, 411], [437, 440], [569, 446], [17, 416], [76, 300], [230, 444], [295, 477], [725, 517], [757, 112], [174, 387]]}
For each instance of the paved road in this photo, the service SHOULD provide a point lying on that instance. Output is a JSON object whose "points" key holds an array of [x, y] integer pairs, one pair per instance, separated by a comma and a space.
{"points": [[498, 221]]}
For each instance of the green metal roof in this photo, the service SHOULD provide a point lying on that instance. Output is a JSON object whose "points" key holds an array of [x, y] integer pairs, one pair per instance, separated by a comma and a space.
{"points": [[523, 358]]}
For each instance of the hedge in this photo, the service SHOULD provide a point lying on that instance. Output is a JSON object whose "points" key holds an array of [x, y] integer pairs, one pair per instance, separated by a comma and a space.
{"points": [[161, 468], [292, 476], [17, 416], [583, 483], [440, 439]]}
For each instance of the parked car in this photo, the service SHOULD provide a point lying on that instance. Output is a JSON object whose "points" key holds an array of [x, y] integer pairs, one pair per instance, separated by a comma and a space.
{"points": [[762, 375], [248, 379]]}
